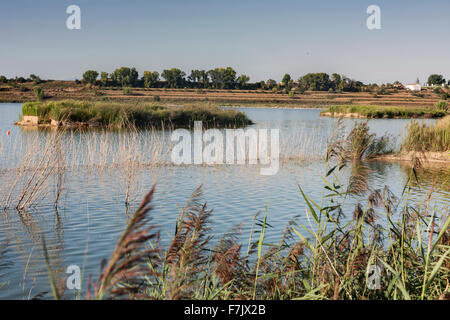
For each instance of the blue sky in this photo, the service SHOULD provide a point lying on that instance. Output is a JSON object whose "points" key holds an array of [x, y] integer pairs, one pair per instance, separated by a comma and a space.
{"points": [[263, 39]]}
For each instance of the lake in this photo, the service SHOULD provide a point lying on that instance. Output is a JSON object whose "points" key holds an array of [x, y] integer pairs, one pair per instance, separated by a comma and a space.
{"points": [[92, 212]]}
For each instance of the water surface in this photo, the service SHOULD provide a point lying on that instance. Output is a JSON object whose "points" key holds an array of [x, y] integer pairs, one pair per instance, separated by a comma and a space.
{"points": [[92, 214]]}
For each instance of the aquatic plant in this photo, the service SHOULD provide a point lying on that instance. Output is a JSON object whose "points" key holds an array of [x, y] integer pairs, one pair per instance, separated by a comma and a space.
{"points": [[405, 257], [424, 138]]}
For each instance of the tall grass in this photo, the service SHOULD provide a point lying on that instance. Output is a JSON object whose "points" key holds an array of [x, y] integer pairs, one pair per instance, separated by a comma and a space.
{"points": [[359, 144], [423, 138]]}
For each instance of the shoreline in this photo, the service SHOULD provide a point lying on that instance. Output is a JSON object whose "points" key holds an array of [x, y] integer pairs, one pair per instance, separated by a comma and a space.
{"points": [[414, 156]]}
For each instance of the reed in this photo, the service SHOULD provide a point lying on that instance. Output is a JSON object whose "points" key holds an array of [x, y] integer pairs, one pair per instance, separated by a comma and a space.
{"points": [[423, 138], [405, 257]]}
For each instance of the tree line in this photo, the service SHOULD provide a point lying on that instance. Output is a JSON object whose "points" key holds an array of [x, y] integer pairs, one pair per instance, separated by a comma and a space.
{"points": [[225, 78]]}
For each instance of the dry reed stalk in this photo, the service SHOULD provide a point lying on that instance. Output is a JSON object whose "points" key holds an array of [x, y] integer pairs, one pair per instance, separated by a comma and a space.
{"points": [[122, 274]]}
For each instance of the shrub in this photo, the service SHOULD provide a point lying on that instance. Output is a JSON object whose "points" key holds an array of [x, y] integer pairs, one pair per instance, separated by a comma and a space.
{"points": [[39, 93], [126, 90], [156, 98], [444, 96], [442, 106]]}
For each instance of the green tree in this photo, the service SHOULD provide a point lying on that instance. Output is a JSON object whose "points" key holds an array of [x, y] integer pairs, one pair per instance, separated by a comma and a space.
{"points": [[204, 78], [336, 79], [229, 77], [35, 79], [90, 76], [104, 76], [125, 76], [316, 82], [174, 77], [270, 84], [286, 80], [196, 76], [223, 78], [243, 80], [216, 76], [3, 79], [151, 79], [436, 80]]}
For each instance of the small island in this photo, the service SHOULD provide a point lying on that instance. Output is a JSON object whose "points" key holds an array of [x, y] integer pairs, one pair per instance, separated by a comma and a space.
{"points": [[89, 114], [372, 111]]}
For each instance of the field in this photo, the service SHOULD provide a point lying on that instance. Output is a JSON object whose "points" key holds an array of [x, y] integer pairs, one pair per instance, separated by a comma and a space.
{"points": [[59, 90]]}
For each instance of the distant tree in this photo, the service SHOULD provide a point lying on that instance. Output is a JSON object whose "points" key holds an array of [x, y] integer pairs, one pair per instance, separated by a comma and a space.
{"points": [[216, 76], [436, 80], [270, 84], [243, 80], [417, 81], [104, 76], [35, 79], [174, 77], [336, 79], [150, 79], [286, 80], [90, 76], [204, 78], [3, 79], [223, 77], [317, 82], [262, 85], [196, 76], [125, 76]]}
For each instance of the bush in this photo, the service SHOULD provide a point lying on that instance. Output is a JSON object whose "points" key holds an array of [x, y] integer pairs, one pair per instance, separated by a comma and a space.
{"points": [[442, 106], [156, 98], [444, 96], [126, 90], [39, 93], [438, 90]]}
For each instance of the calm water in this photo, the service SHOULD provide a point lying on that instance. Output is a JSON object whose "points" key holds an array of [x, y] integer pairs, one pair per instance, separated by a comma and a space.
{"points": [[92, 213]]}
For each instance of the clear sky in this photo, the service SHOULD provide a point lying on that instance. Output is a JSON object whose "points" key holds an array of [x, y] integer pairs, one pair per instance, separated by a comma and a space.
{"points": [[261, 38]]}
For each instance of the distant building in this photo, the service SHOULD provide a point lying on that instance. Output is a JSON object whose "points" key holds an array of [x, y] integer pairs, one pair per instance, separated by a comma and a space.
{"points": [[413, 87]]}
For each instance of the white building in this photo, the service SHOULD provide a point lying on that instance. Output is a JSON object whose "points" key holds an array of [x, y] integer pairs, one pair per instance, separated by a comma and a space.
{"points": [[413, 87]]}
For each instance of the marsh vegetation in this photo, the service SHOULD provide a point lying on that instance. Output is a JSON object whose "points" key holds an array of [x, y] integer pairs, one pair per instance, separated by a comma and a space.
{"points": [[141, 115]]}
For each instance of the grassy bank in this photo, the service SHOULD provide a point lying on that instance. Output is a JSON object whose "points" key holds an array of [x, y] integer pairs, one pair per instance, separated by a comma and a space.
{"points": [[428, 138], [106, 114], [372, 111]]}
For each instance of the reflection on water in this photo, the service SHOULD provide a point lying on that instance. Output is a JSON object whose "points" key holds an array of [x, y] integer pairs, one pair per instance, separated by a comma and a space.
{"points": [[92, 210]]}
